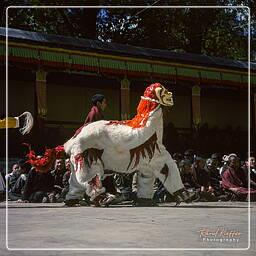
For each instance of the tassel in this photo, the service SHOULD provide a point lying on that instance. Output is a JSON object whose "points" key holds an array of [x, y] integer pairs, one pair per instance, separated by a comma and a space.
{"points": [[28, 123]]}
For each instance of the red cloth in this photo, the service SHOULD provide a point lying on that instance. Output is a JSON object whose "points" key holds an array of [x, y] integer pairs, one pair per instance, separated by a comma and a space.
{"points": [[236, 179], [93, 115]]}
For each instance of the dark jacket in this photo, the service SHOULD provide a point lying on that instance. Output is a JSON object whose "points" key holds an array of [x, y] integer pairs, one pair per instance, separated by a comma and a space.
{"points": [[38, 181]]}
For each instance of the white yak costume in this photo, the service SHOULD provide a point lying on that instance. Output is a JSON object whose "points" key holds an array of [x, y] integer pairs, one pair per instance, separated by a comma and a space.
{"points": [[124, 147]]}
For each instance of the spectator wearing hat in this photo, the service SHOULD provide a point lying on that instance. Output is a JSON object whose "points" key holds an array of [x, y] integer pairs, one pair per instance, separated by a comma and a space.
{"points": [[235, 180]]}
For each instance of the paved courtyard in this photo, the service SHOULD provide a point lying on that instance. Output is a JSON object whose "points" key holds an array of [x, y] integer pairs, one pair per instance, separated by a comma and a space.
{"points": [[52, 229]]}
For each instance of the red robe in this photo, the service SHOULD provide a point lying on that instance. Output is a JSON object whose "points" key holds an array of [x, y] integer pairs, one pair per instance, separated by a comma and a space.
{"points": [[94, 115], [236, 179]]}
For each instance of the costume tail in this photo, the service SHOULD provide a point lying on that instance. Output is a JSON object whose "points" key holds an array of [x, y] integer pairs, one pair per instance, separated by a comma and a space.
{"points": [[28, 122]]}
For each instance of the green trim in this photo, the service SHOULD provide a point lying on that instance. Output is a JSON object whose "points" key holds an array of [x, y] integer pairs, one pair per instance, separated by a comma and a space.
{"points": [[210, 75], [112, 64], [188, 72], [100, 62], [163, 70], [55, 57], [22, 52], [231, 77], [140, 67], [87, 61]]}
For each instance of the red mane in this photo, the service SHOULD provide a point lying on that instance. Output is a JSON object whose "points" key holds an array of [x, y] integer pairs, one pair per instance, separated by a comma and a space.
{"points": [[141, 118]]}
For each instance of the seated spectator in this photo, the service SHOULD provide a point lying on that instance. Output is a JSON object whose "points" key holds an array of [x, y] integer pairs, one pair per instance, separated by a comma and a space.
{"points": [[189, 154], [211, 168], [250, 170], [202, 179], [235, 180], [65, 181], [186, 173], [2, 188], [217, 160], [58, 174], [16, 191], [225, 163], [39, 186], [177, 157], [12, 177]]}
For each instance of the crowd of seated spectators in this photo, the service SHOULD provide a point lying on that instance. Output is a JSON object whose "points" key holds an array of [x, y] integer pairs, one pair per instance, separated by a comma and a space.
{"points": [[217, 178], [214, 178]]}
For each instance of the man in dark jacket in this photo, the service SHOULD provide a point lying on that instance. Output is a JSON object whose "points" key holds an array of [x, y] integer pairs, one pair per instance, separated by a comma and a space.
{"points": [[39, 185]]}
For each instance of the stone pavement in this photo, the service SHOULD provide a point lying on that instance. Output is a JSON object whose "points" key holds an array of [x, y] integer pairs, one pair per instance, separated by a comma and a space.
{"points": [[52, 229]]}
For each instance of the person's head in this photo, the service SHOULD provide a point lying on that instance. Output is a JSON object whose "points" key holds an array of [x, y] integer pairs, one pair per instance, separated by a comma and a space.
{"points": [[99, 101], [251, 162], [234, 162], [15, 168], [177, 157], [67, 164], [216, 158], [200, 162], [185, 166], [59, 164], [24, 166], [211, 163], [189, 155]]}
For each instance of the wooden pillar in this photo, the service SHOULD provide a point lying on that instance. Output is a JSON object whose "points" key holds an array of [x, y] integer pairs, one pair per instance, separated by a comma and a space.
{"points": [[41, 101], [254, 101], [125, 99], [196, 106]]}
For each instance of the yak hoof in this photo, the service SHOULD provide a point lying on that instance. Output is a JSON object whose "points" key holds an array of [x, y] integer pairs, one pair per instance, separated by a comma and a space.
{"points": [[144, 202]]}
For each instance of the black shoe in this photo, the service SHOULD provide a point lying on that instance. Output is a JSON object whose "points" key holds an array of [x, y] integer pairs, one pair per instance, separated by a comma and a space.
{"points": [[144, 202], [71, 202]]}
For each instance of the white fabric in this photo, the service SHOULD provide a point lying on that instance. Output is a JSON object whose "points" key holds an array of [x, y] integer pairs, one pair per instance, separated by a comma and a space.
{"points": [[147, 98], [116, 141]]}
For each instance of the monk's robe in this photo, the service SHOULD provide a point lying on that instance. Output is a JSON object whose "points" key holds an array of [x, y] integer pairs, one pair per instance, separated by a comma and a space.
{"points": [[236, 179], [94, 115]]}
